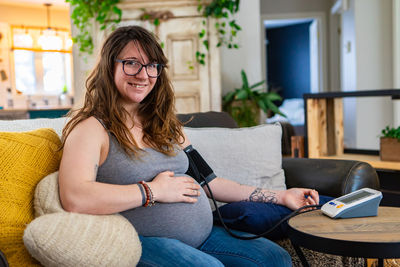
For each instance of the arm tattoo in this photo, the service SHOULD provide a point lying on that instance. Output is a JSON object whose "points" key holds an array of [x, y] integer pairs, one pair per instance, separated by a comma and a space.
{"points": [[260, 195]]}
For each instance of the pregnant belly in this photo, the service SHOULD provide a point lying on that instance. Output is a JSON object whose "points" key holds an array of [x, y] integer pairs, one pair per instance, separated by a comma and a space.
{"points": [[187, 222]]}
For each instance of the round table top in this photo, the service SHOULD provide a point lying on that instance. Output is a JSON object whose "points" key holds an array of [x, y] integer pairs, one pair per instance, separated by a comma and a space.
{"points": [[384, 228]]}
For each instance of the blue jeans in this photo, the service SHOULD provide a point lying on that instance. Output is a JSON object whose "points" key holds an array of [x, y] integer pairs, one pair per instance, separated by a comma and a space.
{"points": [[220, 249], [257, 217]]}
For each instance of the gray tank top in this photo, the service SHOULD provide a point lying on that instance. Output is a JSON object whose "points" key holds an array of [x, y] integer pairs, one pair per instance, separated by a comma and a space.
{"points": [[189, 223]]}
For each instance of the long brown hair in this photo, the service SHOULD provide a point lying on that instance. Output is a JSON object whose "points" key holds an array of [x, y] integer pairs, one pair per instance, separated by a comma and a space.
{"points": [[161, 128]]}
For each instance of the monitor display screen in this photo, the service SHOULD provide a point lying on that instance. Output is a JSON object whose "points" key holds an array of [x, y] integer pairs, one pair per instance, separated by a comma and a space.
{"points": [[354, 197]]}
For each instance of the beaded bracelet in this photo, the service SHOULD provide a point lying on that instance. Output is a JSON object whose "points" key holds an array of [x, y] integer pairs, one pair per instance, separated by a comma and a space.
{"points": [[143, 194], [149, 195]]}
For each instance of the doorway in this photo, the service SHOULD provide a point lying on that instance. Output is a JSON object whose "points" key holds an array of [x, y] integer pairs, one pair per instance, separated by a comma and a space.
{"points": [[294, 58]]}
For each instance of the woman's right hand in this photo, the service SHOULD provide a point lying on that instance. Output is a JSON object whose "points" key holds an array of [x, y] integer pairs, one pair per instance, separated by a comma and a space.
{"points": [[169, 189]]}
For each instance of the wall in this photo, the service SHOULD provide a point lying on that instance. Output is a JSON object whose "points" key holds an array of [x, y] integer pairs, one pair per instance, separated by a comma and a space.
{"points": [[396, 60], [248, 56], [367, 64], [288, 56], [373, 24], [295, 9]]}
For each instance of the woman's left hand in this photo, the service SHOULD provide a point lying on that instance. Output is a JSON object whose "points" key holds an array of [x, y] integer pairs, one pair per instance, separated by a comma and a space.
{"points": [[295, 198]]}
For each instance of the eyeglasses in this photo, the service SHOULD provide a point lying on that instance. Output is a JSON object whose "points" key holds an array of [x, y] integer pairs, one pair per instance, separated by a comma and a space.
{"points": [[132, 67]]}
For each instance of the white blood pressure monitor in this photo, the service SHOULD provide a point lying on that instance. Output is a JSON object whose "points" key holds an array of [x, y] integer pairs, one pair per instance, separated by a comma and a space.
{"points": [[361, 203]]}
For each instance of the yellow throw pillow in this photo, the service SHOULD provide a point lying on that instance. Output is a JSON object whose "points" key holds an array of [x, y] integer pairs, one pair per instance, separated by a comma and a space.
{"points": [[25, 158]]}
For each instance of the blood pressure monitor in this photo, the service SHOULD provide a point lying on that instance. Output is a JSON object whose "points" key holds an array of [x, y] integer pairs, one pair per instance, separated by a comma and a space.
{"points": [[361, 203]]}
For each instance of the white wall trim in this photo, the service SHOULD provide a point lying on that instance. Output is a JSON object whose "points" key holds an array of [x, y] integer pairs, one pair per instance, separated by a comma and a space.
{"points": [[396, 44], [396, 60], [321, 18]]}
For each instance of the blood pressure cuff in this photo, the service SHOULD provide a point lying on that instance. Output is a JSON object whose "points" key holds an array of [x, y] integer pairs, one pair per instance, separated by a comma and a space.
{"points": [[198, 167]]}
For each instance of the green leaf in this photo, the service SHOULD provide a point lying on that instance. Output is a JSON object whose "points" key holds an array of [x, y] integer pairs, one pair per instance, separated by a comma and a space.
{"points": [[244, 79], [273, 96], [241, 95], [117, 11], [274, 108], [262, 105], [257, 84], [156, 22], [205, 43], [202, 33], [229, 97]]}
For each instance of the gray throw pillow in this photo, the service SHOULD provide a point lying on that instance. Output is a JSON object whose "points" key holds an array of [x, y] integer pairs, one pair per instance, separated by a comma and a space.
{"points": [[246, 155]]}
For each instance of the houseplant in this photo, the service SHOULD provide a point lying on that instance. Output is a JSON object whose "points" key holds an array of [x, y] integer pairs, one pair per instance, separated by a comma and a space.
{"points": [[244, 103], [390, 144]]}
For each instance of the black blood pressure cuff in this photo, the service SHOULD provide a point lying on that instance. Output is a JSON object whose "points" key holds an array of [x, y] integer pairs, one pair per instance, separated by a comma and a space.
{"points": [[198, 167]]}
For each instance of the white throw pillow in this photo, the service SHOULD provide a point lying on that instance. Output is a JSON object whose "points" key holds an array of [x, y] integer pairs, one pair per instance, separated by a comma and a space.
{"points": [[73, 239], [59, 238], [246, 155], [29, 125]]}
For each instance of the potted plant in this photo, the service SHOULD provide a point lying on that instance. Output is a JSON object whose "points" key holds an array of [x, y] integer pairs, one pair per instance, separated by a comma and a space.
{"points": [[244, 103], [390, 144]]}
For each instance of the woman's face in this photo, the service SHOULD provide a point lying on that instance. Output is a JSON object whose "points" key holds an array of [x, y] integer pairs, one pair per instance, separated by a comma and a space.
{"points": [[133, 89]]}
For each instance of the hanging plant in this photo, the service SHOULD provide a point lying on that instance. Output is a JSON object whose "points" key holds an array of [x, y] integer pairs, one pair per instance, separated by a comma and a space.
{"points": [[222, 11], [104, 12]]}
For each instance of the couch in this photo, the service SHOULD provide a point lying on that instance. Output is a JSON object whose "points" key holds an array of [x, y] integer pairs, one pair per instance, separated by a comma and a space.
{"points": [[48, 225]]}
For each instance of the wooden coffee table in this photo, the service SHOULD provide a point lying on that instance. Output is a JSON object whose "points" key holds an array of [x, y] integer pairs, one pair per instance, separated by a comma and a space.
{"points": [[368, 237]]}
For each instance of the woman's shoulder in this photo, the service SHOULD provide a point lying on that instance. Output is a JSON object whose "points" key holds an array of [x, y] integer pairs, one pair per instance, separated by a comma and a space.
{"points": [[90, 127]]}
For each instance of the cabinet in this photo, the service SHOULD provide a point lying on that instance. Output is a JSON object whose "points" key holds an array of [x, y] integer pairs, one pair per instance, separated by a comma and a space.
{"points": [[19, 114]]}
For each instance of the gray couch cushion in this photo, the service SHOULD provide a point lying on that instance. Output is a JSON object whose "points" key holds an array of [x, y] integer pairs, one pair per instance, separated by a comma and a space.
{"points": [[246, 155]]}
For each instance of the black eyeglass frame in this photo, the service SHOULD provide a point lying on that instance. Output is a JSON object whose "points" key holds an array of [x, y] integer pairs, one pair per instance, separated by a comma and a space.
{"points": [[123, 61]]}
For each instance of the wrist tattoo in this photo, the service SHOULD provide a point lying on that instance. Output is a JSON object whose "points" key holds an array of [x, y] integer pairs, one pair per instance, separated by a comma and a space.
{"points": [[260, 195]]}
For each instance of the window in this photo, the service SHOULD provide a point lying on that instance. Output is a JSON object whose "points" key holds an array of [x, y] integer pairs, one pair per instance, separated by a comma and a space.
{"points": [[42, 60]]}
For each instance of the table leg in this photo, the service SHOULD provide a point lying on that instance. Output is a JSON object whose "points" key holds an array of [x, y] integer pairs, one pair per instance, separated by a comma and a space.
{"points": [[380, 262], [300, 254]]}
